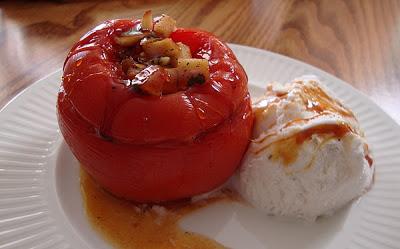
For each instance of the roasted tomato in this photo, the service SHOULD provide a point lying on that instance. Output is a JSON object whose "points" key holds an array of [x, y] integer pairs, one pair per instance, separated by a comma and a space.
{"points": [[144, 122]]}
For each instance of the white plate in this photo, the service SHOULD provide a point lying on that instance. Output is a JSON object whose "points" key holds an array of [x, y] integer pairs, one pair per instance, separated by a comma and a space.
{"points": [[41, 207]]}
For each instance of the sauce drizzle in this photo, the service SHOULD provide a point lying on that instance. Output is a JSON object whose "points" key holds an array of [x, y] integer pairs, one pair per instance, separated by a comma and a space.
{"points": [[130, 225], [287, 149], [313, 100]]}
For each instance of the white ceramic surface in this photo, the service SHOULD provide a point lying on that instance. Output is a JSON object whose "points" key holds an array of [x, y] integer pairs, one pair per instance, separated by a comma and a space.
{"points": [[41, 207]]}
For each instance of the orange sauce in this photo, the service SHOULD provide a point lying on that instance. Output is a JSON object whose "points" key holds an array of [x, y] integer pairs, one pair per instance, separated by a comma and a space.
{"points": [[367, 155], [260, 106], [337, 130], [130, 225], [287, 149], [303, 120], [315, 100], [262, 139], [369, 160], [319, 101]]}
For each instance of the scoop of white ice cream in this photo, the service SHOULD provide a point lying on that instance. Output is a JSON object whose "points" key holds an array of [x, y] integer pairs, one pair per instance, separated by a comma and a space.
{"points": [[308, 156]]}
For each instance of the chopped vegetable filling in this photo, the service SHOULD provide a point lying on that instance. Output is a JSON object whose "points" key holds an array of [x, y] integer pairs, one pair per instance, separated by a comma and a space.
{"points": [[154, 63]]}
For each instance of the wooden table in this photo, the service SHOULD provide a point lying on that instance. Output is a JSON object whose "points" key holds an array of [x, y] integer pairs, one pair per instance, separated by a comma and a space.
{"points": [[357, 41]]}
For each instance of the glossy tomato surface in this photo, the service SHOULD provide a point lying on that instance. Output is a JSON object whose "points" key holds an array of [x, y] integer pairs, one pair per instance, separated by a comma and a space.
{"points": [[151, 148]]}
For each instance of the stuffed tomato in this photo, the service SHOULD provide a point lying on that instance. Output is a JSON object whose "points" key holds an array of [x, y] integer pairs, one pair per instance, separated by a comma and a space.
{"points": [[154, 113]]}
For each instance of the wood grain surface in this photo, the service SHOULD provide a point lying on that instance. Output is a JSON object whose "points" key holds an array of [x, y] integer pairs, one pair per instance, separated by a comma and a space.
{"points": [[357, 41]]}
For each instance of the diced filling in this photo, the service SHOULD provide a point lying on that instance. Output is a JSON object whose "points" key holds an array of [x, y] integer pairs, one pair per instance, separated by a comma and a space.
{"points": [[156, 65]]}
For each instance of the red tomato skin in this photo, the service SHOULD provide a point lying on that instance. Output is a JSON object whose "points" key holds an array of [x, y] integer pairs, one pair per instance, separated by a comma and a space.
{"points": [[152, 149], [164, 172]]}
